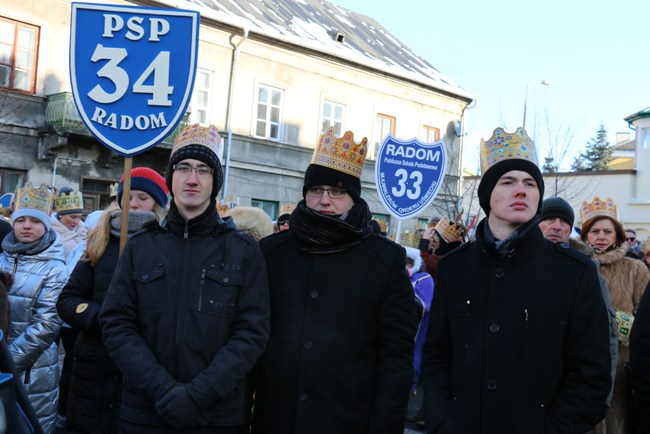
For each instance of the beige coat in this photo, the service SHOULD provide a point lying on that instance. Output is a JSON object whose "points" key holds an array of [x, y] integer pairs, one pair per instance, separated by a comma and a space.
{"points": [[626, 278]]}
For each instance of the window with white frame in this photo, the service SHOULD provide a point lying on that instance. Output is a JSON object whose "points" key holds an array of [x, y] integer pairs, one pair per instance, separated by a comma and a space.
{"points": [[268, 206], [332, 116], [200, 107], [384, 125], [18, 55], [269, 104], [430, 134]]}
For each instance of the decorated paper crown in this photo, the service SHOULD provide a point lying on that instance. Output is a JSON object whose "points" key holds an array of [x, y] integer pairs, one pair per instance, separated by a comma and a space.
{"points": [[198, 135], [69, 203], [113, 189], [598, 207], [287, 208], [342, 154], [507, 146], [450, 232], [39, 198]]}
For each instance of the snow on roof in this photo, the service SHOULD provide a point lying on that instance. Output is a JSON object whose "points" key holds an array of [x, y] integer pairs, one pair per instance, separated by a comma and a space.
{"points": [[315, 24]]}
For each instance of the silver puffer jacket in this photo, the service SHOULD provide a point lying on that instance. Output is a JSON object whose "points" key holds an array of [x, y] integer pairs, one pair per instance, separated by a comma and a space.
{"points": [[35, 323]]}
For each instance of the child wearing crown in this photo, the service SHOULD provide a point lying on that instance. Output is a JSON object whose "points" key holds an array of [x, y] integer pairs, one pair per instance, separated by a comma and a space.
{"points": [[33, 253], [66, 220]]}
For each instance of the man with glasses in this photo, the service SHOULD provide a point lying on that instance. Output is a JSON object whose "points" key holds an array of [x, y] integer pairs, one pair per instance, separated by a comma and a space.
{"points": [[633, 246], [187, 313], [283, 222], [339, 357]]}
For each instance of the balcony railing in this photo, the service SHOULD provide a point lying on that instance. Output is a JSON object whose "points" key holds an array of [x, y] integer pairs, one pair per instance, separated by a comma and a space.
{"points": [[62, 115]]}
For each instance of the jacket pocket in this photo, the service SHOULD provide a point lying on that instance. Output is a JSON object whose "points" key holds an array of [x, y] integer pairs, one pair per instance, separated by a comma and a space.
{"points": [[148, 283], [458, 308], [219, 292]]}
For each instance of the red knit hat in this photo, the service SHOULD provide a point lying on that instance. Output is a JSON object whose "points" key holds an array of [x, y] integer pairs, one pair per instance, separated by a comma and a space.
{"points": [[149, 181]]}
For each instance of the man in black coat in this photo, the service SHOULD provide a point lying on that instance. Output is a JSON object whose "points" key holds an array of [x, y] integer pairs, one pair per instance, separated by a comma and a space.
{"points": [[518, 333], [640, 362], [186, 315], [340, 354]]}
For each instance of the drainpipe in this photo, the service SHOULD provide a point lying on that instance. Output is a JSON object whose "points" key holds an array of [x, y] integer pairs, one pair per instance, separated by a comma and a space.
{"points": [[231, 98], [469, 106]]}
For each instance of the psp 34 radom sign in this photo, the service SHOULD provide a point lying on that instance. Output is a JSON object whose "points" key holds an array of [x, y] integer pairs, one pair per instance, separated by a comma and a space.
{"points": [[409, 175], [132, 71]]}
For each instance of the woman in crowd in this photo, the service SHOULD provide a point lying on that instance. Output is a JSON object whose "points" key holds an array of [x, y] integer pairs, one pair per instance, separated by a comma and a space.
{"points": [[66, 221], [35, 256], [95, 389], [626, 279]]}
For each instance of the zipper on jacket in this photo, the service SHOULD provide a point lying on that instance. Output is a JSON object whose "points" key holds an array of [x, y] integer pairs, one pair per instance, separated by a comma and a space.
{"points": [[181, 291], [203, 273], [27, 375], [525, 315], [186, 233]]}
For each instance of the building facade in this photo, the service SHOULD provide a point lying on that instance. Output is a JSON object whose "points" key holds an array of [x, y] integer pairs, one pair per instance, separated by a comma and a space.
{"points": [[271, 77]]}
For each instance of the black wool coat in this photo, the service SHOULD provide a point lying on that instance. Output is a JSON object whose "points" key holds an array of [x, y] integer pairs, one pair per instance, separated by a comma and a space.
{"points": [[340, 354], [96, 383], [516, 345], [640, 360]]}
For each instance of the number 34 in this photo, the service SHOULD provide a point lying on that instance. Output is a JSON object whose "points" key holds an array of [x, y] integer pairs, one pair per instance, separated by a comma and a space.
{"points": [[401, 188], [159, 67]]}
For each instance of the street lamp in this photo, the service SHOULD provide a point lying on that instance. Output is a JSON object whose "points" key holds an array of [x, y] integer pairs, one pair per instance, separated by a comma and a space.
{"points": [[545, 83]]}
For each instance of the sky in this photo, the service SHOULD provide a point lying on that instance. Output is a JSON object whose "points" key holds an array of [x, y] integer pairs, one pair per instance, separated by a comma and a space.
{"points": [[594, 53]]}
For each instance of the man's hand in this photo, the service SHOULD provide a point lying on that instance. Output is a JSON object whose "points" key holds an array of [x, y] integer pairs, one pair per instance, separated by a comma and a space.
{"points": [[179, 409]]}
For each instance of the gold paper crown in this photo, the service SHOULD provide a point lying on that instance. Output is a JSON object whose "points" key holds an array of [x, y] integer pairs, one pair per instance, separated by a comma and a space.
{"points": [[507, 146], [197, 135], [342, 154], [113, 189], [72, 202], [287, 208], [39, 198], [450, 232], [598, 207]]}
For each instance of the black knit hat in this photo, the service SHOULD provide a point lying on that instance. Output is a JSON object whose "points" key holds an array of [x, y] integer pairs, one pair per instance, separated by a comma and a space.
{"points": [[321, 175], [557, 207], [337, 162], [198, 143], [492, 175]]}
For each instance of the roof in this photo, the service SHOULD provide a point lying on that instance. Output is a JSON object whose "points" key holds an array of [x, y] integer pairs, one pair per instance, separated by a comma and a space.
{"points": [[643, 114], [315, 24]]}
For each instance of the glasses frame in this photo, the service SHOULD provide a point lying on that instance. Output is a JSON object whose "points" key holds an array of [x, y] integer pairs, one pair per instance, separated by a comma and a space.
{"points": [[339, 192], [200, 171]]}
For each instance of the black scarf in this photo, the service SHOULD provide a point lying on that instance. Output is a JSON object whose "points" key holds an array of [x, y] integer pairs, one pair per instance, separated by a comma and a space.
{"points": [[504, 247], [314, 232], [12, 246]]}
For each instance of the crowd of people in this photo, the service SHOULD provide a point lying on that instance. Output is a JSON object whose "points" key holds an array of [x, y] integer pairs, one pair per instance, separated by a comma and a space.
{"points": [[212, 321]]}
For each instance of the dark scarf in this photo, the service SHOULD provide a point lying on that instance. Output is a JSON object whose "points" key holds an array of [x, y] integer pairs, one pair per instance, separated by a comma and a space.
{"points": [[314, 232], [504, 247], [12, 246], [137, 219], [208, 222]]}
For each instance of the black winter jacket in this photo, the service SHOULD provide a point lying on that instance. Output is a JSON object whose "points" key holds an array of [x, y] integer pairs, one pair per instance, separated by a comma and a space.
{"points": [[340, 355], [96, 383], [188, 303], [517, 344]]}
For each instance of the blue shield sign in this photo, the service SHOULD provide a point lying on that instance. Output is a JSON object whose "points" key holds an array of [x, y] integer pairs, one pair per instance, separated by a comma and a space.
{"points": [[409, 174], [132, 71]]}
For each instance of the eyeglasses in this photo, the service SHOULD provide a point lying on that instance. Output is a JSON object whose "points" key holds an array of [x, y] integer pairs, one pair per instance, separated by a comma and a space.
{"points": [[186, 170], [333, 193], [630, 239], [283, 222]]}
